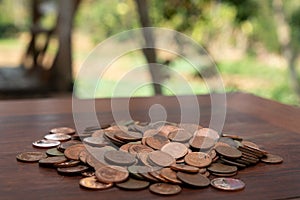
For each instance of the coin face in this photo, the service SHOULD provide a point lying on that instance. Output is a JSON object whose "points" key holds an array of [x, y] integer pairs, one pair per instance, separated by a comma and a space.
{"points": [[198, 159], [229, 184], [161, 159], [63, 130], [175, 149], [73, 151], [31, 156], [229, 152], [111, 174], [195, 180], [201, 142], [165, 189], [54, 152], [119, 158], [133, 184], [57, 137], [94, 184], [272, 159], [45, 143]]}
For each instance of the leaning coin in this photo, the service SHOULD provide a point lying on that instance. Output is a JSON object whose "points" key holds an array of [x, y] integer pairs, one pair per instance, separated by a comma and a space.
{"points": [[54, 152], [165, 189], [45, 143], [70, 171], [50, 161], [133, 184], [58, 137], [272, 159], [64, 130], [111, 174], [94, 184], [228, 184], [195, 180], [31, 156]]}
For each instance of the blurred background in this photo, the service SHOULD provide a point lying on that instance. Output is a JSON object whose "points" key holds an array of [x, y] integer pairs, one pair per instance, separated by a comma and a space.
{"points": [[254, 43]]}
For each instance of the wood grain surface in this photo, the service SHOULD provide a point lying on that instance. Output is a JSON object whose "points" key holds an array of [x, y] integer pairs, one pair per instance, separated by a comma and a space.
{"points": [[274, 126]]}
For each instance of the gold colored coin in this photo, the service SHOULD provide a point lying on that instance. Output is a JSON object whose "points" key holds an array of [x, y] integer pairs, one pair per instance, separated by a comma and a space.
{"points": [[229, 152], [161, 159], [198, 159], [31, 156], [111, 174], [272, 159], [165, 189], [175, 149], [94, 184], [73, 151], [195, 180]]}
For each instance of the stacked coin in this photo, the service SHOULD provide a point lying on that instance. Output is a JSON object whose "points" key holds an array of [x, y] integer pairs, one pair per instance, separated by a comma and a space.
{"points": [[163, 156]]}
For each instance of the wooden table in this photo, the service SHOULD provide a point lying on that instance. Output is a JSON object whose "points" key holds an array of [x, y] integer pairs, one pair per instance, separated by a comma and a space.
{"points": [[270, 124]]}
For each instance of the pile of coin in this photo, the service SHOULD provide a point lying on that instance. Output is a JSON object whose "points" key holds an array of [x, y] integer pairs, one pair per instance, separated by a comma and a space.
{"points": [[161, 156]]}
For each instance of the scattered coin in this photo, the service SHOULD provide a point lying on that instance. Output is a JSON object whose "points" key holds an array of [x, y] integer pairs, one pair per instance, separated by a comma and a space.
{"points": [[228, 184], [31, 156], [94, 184], [58, 137], [195, 180], [133, 184], [161, 158], [45, 143], [63, 130], [272, 159], [111, 174], [71, 171], [119, 158], [165, 189], [50, 161], [73, 151], [70, 163], [229, 152], [54, 152], [175, 149], [198, 159], [221, 168]]}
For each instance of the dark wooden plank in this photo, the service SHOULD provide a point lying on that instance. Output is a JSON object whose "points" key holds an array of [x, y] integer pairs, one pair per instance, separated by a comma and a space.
{"points": [[22, 122]]}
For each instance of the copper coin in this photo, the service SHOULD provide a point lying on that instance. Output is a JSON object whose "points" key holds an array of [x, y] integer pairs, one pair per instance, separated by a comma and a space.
{"points": [[139, 148], [63, 146], [175, 149], [98, 133], [73, 151], [224, 175], [201, 142], [231, 162], [58, 137], [184, 168], [133, 184], [94, 162], [157, 141], [96, 158], [70, 163], [46, 143], [228, 184], [125, 147], [229, 152], [166, 129], [83, 156], [195, 180], [111, 174], [94, 184], [170, 175], [96, 141], [88, 173], [165, 189], [221, 168], [250, 144], [180, 135], [212, 153], [128, 136], [110, 134], [119, 158], [77, 170], [228, 141], [198, 159], [161, 158], [50, 161], [272, 159], [235, 137], [54, 152], [31, 156], [143, 157], [63, 130], [207, 132], [157, 175]]}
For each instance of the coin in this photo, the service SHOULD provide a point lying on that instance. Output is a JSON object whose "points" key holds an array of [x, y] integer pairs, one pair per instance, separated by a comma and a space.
{"points": [[45, 143], [272, 159], [224, 175], [161, 158], [180, 135], [231, 162], [119, 158], [73, 151], [235, 137], [111, 174], [184, 168], [166, 129], [98, 133], [207, 132], [228, 184], [229, 152], [221, 168], [88, 173], [195, 180], [50, 161], [70, 171], [201, 142], [198, 159], [157, 175], [133, 184], [165, 189], [190, 127], [175, 149], [70, 163], [94, 184], [128, 136], [54, 152], [31, 156], [170, 175], [83, 156], [63, 146], [110, 134], [96, 141], [157, 141], [57, 137], [63, 130], [139, 148]]}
